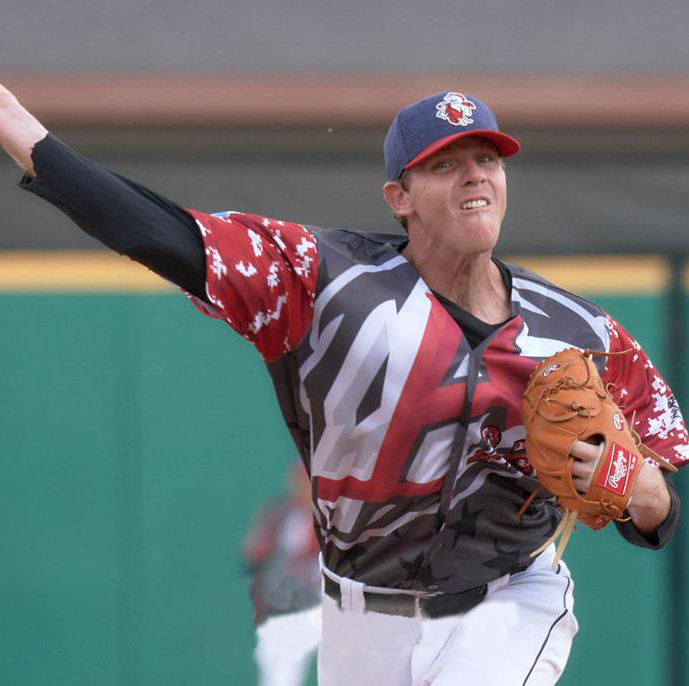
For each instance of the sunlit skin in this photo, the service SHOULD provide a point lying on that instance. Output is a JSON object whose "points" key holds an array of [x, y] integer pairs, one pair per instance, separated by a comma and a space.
{"points": [[19, 130], [450, 247]]}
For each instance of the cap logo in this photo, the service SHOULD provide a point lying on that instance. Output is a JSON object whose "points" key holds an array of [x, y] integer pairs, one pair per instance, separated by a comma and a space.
{"points": [[455, 109]]}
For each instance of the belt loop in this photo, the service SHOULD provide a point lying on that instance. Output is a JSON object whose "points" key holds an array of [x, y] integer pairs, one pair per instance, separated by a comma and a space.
{"points": [[352, 596]]}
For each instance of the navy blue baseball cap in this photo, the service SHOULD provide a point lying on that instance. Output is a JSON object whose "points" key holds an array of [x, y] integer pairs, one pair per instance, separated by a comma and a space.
{"points": [[421, 129]]}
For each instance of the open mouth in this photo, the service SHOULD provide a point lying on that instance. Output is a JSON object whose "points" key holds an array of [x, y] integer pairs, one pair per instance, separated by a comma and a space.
{"points": [[474, 204]]}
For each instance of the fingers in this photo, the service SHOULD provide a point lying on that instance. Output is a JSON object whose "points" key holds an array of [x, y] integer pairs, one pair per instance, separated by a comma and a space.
{"points": [[581, 485], [586, 452], [582, 470], [584, 464], [581, 475]]}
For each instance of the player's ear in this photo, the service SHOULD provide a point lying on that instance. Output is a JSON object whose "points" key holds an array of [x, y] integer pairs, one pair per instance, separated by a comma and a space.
{"points": [[397, 198]]}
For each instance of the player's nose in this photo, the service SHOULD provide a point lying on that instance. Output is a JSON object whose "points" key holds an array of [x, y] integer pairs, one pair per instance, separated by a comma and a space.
{"points": [[471, 172]]}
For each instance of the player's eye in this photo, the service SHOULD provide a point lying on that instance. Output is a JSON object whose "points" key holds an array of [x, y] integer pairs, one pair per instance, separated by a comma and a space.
{"points": [[442, 165]]}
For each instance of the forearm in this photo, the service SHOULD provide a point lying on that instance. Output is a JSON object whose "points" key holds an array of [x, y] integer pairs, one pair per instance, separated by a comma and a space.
{"points": [[650, 503], [120, 213], [654, 533], [125, 216], [19, 130]]}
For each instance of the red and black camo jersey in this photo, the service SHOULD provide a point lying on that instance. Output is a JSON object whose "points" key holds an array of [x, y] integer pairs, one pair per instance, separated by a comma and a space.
{"points": [[412, 437]]}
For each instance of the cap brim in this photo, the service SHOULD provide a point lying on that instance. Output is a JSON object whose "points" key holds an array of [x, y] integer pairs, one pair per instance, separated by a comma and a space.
{"points": [[506, 145]]}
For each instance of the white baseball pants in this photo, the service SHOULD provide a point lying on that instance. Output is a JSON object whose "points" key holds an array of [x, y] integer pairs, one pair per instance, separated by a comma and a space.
{"points": [[520, 635], [285, 646]]}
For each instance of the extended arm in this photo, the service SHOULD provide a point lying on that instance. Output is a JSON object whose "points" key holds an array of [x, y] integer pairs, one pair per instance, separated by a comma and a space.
{"points": [[123, 215], [260, 275]]}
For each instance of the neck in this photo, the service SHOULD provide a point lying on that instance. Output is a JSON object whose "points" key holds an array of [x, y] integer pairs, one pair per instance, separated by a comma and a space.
{"points": [[471, 281]]}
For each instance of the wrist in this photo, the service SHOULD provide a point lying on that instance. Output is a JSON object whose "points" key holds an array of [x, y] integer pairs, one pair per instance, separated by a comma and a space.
{"points": [[19, 131], [650, 504], [7, 100]]}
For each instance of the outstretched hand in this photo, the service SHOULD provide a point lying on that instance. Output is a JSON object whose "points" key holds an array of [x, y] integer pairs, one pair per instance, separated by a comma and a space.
{"points": [[650, 503], [19, 130]]}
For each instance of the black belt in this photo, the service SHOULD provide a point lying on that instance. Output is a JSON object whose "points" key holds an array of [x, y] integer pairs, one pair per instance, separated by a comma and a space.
{"points": [[424, 605]]}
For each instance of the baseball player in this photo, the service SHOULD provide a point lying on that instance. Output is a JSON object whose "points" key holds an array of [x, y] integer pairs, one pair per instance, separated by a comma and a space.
{"points": [[399, 363], [281, 551]]}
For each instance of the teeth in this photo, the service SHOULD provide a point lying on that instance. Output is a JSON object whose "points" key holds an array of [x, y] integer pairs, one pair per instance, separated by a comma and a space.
{"points": [[473, 204]]}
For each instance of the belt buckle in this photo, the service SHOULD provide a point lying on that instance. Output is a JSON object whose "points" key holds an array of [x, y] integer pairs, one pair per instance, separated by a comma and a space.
{"points": [[418, 613]]}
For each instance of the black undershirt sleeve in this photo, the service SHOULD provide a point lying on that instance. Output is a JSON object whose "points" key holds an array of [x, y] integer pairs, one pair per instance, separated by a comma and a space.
{"points": [[663, 533], [121, 214]]}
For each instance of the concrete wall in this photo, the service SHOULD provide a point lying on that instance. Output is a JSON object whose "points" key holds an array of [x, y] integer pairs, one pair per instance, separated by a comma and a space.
{"points": [[494, 35]]}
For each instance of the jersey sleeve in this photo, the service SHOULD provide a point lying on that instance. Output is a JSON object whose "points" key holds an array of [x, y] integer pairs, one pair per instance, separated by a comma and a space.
{"points": [[260, 278], [642, 393]]}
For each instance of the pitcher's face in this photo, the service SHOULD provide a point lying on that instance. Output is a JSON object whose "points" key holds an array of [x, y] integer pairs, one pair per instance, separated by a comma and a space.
{"points": [[458, 197]]}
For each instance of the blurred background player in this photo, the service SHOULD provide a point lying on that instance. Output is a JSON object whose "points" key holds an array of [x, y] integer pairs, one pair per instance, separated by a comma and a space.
{"points": [[281, 551]]}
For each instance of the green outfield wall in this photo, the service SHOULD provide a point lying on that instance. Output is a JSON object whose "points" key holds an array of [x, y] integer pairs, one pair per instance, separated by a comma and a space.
{"points": [[138, 438]]}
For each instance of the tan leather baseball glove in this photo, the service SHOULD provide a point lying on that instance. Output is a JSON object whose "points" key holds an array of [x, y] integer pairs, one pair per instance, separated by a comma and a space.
{"points": [[564, 401]]}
